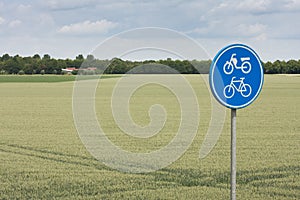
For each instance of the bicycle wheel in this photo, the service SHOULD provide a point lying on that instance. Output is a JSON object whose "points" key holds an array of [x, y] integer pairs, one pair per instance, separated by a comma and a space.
{"points": [[228, 68], [246, 67], [246, 91], [228, 91]]}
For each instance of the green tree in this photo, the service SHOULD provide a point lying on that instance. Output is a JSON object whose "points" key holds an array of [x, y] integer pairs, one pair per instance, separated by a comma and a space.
{"points": [[293, 67], [5, 57], [79, 57], [36, 56], [269, 68], [46, 57], [28, 68], [90, 57], [12, 66]]}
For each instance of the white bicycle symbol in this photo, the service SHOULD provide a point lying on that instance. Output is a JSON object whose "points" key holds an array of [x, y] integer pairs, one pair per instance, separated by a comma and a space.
{"points": [[244, 89], [232, 63]]}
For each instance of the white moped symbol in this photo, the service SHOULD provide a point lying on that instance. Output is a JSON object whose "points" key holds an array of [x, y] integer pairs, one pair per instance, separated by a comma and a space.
{"points": [[239, 86], [232, 63]]}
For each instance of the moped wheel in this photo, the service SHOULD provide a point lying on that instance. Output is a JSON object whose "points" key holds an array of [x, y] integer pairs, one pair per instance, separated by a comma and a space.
{"points": [[228, 68], [246, 90], [228, 91], [246, 67]]}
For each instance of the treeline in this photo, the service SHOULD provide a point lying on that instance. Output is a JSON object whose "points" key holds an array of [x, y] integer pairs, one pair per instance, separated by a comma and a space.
{"points": [[47, 65], [282, 67]]}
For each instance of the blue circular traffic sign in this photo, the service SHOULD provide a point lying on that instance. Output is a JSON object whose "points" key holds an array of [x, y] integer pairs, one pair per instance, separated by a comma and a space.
{"points": [[236, 76]]}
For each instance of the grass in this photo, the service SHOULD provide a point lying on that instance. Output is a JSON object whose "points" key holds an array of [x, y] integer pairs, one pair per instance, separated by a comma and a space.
{"points": [[42, 157]]}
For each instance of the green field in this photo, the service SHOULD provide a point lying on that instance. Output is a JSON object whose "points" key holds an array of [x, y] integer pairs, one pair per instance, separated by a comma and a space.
{"points": [[42, 157]]}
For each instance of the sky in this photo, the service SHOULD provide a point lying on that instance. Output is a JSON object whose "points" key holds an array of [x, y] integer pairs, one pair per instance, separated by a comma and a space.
{"points": [[66, 28]]}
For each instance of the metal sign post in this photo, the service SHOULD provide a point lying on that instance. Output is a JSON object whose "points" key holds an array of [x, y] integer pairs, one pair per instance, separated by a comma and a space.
{"points": [[233, 155], [236, 78]]}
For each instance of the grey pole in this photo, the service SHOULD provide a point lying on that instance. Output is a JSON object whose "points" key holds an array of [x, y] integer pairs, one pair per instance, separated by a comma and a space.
{"points": [[233, 155]]}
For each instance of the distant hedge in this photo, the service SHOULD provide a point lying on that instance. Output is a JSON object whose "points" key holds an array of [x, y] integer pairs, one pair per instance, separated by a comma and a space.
{"points": [[47, 65]]}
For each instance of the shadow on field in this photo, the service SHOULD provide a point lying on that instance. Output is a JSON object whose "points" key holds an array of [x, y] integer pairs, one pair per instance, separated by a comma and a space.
{"points": [[267, 181], [274, 182], [53, 156]]}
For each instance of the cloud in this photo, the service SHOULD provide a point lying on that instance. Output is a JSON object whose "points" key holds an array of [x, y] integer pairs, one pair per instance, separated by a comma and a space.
{"points": [[207, 29], [261, 37], [45, 19], [254, 5], [14, 23], [88, 27], [251, 29], [292, 5], [2, 20], [217, 29], [67, 4], [220, 22], [23, 8]]}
